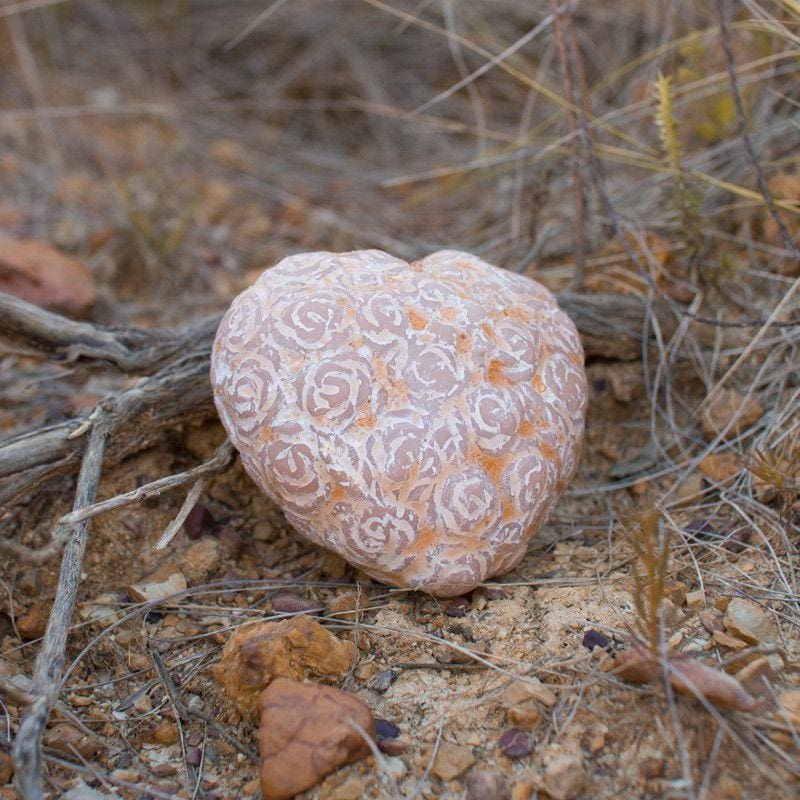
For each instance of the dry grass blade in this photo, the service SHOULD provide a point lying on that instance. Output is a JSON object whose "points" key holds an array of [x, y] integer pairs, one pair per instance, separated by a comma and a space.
{"points": [[650, 543]]}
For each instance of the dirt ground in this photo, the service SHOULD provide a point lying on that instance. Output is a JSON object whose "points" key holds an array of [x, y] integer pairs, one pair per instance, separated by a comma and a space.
{"points": [[177, 168]]}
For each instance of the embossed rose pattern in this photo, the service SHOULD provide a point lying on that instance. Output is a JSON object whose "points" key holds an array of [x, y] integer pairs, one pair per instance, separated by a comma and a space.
{"points": [[419, 419]]}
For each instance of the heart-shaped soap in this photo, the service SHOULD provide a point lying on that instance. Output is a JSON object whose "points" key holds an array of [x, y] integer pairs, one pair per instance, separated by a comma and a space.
{"points": [[418, 419]]}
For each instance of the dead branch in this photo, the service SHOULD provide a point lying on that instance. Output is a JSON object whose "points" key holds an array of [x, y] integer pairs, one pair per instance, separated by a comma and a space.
{"points": [[49, 667], [136, 418], [131, 350], [218, 462]]}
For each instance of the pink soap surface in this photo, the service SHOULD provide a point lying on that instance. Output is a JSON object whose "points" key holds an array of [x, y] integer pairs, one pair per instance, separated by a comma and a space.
{"points": [[418, 419]]}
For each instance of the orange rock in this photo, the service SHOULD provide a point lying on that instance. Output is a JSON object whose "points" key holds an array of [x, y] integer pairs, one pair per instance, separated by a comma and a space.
{"points": [[720, 467], [32, 624], [306, 733], [200, 559], [789, 707], [40, 274], [166, 733], [731, 407], [69, 739], [295, 648]]}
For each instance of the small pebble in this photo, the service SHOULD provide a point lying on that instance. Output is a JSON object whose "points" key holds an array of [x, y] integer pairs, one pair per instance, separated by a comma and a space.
{"points": [[385, 729], [383, 680], [747, 620], [458, 607], [483, 784], [514, 743], [193, 756], [289, 603]]}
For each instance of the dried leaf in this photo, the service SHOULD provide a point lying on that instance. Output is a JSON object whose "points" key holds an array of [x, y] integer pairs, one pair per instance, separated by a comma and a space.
{"points": [[692, 678], [36, 272]]}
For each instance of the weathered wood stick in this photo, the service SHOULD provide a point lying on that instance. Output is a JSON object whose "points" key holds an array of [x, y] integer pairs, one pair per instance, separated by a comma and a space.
{"points": [[131, 350], [136, 419]]}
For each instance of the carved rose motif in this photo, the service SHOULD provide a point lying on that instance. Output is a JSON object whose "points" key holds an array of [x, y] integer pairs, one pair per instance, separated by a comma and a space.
{"points": [[419, 419]]}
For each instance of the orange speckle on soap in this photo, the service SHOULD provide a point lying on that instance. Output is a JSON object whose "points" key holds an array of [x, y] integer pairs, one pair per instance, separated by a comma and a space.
{"points": [[415, 266], [368, 420], [425, 539], [491, 465], [265, 434], [462, 342], [381, 371], [538, 383], [518, 313], [448, 314], [509, 511], [495, 375], [487, 329], [336, 495], [548, 452], [417, 320], [525, 428]]}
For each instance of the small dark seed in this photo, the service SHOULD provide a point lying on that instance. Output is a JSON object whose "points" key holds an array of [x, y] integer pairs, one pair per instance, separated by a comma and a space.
{"points": [[593, 638], [385, 729], [599, 384], [514, 743], [198, 522], [495, 593]]}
